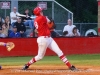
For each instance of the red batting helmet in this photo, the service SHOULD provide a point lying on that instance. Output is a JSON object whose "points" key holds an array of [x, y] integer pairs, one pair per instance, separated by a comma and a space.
{"points": [[37, 11]]}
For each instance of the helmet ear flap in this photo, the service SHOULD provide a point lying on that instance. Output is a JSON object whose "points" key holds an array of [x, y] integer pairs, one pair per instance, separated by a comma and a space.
{"points": [[37, 11]]}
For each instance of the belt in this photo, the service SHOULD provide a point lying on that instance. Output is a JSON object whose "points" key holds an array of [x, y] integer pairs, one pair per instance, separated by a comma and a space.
{"points": [[45, 36]]}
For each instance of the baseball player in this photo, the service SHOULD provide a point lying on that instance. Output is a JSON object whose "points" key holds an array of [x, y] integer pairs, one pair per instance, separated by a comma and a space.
{"points": [[44, 40], [8, 45]]}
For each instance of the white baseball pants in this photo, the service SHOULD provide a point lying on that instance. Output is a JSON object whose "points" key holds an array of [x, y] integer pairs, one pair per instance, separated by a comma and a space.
{"points": [[43, 43]]}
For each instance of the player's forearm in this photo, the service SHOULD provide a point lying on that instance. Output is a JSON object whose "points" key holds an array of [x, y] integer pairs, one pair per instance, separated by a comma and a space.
{"points": [[2, 44]]}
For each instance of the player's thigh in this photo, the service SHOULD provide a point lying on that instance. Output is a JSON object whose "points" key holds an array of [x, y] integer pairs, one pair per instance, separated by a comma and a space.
{"points": [[54, 47], [42, 46]]}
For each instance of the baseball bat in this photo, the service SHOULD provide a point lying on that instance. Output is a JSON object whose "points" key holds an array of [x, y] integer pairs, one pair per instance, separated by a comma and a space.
{"points": [[21, 15]]}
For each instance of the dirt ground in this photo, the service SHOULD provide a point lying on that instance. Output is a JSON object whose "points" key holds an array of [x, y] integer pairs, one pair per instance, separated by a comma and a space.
{"points": [[50, 70]]}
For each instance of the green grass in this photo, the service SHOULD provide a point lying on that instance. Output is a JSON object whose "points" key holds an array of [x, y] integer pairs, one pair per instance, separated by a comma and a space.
{"points": [[89, 59]]}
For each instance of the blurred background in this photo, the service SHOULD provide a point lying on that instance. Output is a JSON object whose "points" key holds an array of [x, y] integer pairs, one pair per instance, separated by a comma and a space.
{"points": [[82, 12]]}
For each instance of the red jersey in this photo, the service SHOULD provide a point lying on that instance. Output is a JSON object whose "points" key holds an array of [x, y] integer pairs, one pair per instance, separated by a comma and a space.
{"points": [[41, 25]]}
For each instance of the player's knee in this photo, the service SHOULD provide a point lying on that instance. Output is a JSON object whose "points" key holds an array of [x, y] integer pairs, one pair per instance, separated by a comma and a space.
{"points": [[38, 58]]}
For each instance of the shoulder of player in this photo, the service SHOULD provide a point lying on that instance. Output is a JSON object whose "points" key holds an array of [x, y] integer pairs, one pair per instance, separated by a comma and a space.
{"points": [[38, 18]]}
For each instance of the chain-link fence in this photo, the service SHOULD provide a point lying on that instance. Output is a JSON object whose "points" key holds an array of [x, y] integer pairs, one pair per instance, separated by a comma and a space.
{"points": [[82, 27], [54, 10]]}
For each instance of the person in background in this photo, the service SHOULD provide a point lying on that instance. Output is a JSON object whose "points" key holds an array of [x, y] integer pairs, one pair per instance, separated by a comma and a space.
{"points": [[13, 15], [1, 21], [14, 33], [20, 27], [65, 33], [7, 21], [69, 28], [34, 33], [1, 34], [27, 20], [91, 34], [75, 32], [5, 29], [31, 34], [52, 27]]}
